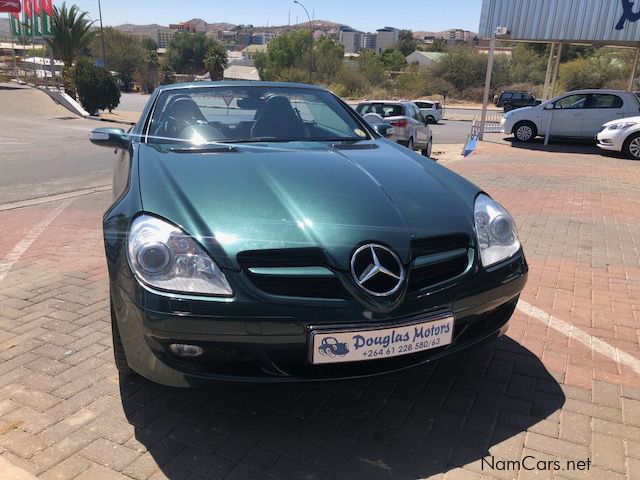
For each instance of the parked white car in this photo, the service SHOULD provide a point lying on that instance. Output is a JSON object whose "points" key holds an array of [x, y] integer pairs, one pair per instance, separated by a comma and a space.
{"points": [[578, 114], [431, 110], [621, 135]]}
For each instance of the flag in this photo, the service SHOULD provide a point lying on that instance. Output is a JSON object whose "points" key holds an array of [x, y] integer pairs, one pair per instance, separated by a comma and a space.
{"points": [[46, 6], [27, 18], [16, 28], [36, 17], [11, 6]]}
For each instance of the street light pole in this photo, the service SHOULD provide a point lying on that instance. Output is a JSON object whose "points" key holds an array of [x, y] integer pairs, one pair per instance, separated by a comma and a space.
{"points": [[104, 55], [311, 29]]}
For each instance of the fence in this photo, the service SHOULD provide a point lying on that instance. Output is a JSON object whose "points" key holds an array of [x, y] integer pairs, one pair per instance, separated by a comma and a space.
{"points": [[491, 124]]}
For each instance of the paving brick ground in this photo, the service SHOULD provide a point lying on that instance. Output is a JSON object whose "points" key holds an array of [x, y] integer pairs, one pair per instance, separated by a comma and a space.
{"points": [[534, 396]]}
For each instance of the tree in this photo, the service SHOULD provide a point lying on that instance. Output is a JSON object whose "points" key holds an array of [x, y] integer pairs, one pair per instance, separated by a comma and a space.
{"points": [[71, 35], [371, 67], [393, 60], [124, 53], [186, 52], [216, 61], [97, 89], [328, 57], [148, 74], [528, 63], [291, 50], [438, 45], [149, 44], [167, 73], [462, 67], [407, 44]]}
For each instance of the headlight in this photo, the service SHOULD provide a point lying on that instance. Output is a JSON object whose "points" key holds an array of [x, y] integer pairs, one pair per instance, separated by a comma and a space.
{"points": [[507, 115], [163, 256], [496, 231], [621, 126]]}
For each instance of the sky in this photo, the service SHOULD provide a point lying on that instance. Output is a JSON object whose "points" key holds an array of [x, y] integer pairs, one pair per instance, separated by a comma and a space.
{"points": [[367, 15]]}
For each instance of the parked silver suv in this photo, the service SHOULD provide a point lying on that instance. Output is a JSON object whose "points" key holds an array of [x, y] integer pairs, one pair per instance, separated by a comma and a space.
{"points": [[410, 126]]}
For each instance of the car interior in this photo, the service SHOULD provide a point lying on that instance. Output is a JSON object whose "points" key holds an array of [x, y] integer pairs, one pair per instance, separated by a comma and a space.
{"points": [[250, 118]]}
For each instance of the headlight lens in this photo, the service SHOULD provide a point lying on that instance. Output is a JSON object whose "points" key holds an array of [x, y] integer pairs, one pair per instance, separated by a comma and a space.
{"points": [[496, 231], [163, 256], [507, 115], [621, 126]]}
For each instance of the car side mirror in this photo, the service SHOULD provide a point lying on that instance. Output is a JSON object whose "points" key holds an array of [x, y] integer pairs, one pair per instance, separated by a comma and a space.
{"points": [[383, 129], [549, 106], [110, 137]]}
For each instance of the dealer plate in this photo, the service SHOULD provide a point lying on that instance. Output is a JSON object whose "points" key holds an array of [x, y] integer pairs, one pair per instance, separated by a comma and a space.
{"points": [[335, 346]]}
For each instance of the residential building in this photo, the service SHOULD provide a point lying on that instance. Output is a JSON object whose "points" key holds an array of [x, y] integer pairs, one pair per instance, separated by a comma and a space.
{"points": [[424, 59], [250, 51], [163, 36], [386, 38]]}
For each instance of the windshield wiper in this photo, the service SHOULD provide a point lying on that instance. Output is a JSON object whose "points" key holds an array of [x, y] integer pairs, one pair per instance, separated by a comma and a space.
{"points": [[205, 149]]}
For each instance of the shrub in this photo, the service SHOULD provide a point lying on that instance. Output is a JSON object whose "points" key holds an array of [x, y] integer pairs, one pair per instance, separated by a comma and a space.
{"points": [[97, 89]]}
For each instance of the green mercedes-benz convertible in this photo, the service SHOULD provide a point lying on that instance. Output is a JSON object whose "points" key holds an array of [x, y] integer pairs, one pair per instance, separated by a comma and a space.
{"points": [[265, 232]]}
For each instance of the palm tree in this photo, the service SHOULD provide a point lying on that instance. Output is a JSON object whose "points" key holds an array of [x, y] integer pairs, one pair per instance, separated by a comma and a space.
{"points": [[71, 36], [215, 61]]}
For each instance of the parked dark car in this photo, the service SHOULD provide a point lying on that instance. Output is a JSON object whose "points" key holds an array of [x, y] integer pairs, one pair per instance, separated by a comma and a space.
{"points": [[510, 99], [264, 232]]}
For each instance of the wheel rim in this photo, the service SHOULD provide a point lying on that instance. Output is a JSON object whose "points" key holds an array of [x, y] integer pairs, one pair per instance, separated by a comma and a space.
{"points": [[524, 132], [634, 147]]}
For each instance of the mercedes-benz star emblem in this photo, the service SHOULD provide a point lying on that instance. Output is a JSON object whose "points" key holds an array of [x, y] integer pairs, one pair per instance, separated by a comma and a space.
{"points": [[377, 270]]}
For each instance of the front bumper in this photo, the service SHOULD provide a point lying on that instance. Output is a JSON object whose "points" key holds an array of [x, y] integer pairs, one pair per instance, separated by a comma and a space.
{"points": [[251, 340], [611, 139]]}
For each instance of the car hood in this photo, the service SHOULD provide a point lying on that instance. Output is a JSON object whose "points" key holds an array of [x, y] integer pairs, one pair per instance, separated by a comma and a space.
{"points": [[299, 195], [622, 120]]}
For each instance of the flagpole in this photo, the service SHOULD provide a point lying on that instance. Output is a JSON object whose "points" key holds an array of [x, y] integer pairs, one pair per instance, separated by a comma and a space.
{"points": [[33, 40], [13, 49]]}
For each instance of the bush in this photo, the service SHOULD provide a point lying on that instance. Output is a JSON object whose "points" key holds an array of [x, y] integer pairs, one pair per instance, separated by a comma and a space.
{"points": [[97, 89]]}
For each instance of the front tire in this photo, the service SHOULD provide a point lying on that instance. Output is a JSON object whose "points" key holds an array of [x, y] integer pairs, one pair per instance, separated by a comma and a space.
{"points": [[631, 147], [427, 151], [118, 350], [410, 144], [431, 119], [525, 131]]}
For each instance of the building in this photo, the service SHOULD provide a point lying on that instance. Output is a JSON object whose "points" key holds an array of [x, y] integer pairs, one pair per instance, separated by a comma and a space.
{"points": [[193, 26], [350, 39], [424, 59], [240, 72], [386, 37], [249, 52], [227, 36], [262, 38], [369, 40], [244, 38], [163, 36]]}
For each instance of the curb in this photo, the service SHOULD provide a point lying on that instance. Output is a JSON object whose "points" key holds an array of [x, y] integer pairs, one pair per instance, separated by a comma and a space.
{"points": [[110, 120]]}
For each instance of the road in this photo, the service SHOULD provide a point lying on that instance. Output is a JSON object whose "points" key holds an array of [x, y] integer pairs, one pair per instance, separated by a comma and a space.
{"points": [[45, 148], [48, 152]]}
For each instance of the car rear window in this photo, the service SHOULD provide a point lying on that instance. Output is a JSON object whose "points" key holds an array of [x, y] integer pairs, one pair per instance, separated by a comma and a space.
{"points": [[603, 100], [382, 109]]}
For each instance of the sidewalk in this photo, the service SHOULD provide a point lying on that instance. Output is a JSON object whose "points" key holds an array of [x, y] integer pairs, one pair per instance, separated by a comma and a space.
{"points": [[562, 386]]}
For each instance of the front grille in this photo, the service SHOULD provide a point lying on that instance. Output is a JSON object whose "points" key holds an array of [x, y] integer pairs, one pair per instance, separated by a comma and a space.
{"points": [[308, 286], [444, 243], [283, 257], [442, 258], [299, 286]]}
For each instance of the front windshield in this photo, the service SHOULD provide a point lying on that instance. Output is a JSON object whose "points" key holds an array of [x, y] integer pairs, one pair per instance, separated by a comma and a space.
{"points": [[236, 114]]}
